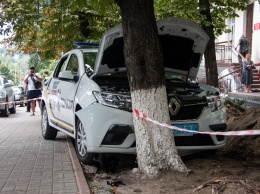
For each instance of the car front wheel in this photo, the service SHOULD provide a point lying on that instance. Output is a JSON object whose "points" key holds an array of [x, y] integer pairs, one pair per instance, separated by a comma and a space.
{"points": [[48, 132], [81, 144]]}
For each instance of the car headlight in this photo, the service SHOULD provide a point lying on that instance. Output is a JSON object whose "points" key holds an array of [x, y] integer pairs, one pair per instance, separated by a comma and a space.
{"points": [[215, 103], [2, 94], [119, 101]]}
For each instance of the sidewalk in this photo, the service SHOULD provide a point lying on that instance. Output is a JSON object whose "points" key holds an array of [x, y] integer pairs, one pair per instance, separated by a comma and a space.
{"points": [[30, 164]]}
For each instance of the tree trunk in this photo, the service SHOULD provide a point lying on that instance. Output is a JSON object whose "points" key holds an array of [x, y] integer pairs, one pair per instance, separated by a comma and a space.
{"points": [[155, 145], [210, 52]]}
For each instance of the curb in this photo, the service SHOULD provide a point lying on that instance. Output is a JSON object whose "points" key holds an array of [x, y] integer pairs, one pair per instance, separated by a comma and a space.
{"points": [[80, 177]]}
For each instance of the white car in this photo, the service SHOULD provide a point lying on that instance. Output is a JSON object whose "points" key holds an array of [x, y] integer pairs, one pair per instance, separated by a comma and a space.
{"points": [[88, 95], [7, 104], [19, 95]]}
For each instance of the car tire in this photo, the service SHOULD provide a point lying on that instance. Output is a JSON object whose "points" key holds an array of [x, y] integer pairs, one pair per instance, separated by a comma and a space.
{"points": [[5, 112], [48, 132], [81, 145], [13, 109], [21, 103]]}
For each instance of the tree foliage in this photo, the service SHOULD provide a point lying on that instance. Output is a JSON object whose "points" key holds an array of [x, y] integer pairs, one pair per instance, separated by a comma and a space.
{"points": [[5, 64], [50, 27], [191, 9]]}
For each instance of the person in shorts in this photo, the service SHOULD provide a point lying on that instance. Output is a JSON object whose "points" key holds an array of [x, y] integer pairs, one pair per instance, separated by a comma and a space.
{"points": [[32, 92]]}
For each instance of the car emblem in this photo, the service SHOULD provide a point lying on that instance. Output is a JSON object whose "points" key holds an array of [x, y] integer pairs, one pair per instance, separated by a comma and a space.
{"points": [[174, 106]]}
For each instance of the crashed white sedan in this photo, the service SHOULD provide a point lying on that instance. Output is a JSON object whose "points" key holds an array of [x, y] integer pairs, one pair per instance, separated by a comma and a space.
{"points": [[88, 95]]}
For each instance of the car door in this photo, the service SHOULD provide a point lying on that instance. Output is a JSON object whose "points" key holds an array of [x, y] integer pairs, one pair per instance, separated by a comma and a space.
{"points": [[66, 93], [66, 90], [9, 91], [52, 94]]}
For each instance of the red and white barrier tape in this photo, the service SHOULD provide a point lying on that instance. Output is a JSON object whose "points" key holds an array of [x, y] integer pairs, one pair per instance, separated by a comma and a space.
{"points": [[20, 101], [229, 133]]}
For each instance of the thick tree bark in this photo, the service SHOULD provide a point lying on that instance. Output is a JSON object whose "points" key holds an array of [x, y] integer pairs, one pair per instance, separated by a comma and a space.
{"points": [[210, 52], [155, 145], [83, 24]]}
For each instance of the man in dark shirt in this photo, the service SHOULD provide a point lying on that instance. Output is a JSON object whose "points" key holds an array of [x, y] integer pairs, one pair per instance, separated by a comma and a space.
{"points": [[243, 47]]}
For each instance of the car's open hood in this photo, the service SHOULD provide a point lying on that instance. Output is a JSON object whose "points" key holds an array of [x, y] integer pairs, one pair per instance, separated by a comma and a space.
{"points": [[183, 44]]}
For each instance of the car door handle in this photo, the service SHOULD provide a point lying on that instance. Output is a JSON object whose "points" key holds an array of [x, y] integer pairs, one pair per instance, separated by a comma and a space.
{"points": [[59, 91]]}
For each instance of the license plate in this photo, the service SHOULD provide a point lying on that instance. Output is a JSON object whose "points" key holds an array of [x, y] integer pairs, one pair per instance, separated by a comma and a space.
{"points": [[191, 127]]}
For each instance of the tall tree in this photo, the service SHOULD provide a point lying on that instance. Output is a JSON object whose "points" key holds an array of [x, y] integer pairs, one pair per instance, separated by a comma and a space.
{"points": [[210, 52], [144, 62]]}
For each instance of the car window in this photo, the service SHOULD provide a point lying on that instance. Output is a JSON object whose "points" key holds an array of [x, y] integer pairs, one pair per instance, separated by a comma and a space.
{"points": [[60, 67], [5, 81], [89, 61], [73, 64], [21, 89], [89, 58]]}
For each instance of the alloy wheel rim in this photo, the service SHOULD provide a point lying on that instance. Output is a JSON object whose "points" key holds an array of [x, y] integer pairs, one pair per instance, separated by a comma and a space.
{"points": [[44, 121], [81, 140]]}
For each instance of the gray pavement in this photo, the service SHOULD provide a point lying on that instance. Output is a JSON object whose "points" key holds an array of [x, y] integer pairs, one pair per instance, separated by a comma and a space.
{"points": [[30, 164]]}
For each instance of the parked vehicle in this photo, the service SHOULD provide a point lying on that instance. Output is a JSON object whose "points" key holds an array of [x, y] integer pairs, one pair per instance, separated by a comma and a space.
{"points": [[88, 94], [7, 104], [19, 95]]}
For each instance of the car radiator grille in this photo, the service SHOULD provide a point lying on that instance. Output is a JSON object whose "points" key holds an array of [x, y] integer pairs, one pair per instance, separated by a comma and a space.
{"points": [[188, 112]]}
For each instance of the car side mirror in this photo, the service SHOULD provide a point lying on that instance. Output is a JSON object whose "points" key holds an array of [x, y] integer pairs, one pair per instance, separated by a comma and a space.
{"points": [[66, 75], [8, 85]]}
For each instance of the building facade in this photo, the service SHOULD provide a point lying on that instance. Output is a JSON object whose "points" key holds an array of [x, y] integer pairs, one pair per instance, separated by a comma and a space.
{"points": [[248, 23]]}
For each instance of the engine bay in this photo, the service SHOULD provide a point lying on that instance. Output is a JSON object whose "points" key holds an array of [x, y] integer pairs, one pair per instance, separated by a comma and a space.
{"points": [[186, 99]]}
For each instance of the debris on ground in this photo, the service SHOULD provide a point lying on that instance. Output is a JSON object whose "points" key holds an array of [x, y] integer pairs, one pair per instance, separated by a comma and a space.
{"points": [[234, 169]]}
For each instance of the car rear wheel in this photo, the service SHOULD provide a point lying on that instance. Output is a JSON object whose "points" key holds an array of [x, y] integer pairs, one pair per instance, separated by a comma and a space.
{"points": [[13, 109], [48, 132], [21, 103], [5, 112], [81, 145]]}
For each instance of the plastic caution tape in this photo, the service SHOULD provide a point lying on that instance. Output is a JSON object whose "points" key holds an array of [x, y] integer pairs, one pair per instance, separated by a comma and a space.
{"points": [[20, 101], [228, 133]]}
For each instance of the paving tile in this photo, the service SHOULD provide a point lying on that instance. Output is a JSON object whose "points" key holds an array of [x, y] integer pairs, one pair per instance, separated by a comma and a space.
{"points": [[28, 163]]}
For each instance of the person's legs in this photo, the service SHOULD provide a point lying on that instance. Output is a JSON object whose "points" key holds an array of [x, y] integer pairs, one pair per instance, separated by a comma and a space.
{"points": [[32, 103], [28, 103], [249, 88], [33, 107], [39, 103], [245, 88], [28, 106]]}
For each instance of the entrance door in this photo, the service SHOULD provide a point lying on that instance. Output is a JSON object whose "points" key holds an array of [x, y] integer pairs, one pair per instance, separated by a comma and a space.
{"points": [[249, 25]]}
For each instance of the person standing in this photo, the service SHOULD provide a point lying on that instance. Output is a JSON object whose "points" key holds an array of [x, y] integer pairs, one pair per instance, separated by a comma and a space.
{"points": [[243, 47], [46, 76], [247, 75], [32, 91]]}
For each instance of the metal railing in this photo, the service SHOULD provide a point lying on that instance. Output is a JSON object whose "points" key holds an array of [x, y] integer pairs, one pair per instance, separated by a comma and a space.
{"points": [[226, 53], [230, 82]]}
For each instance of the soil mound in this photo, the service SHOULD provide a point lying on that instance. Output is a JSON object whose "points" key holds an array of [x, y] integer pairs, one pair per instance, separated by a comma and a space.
{"points": [[244, 147]]}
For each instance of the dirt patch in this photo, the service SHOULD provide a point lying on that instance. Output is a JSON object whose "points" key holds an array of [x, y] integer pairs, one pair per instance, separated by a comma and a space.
{"points": [[234, 169]]}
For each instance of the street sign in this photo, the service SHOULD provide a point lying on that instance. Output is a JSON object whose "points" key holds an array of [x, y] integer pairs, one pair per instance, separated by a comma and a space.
{"points": [[257, 26]]}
